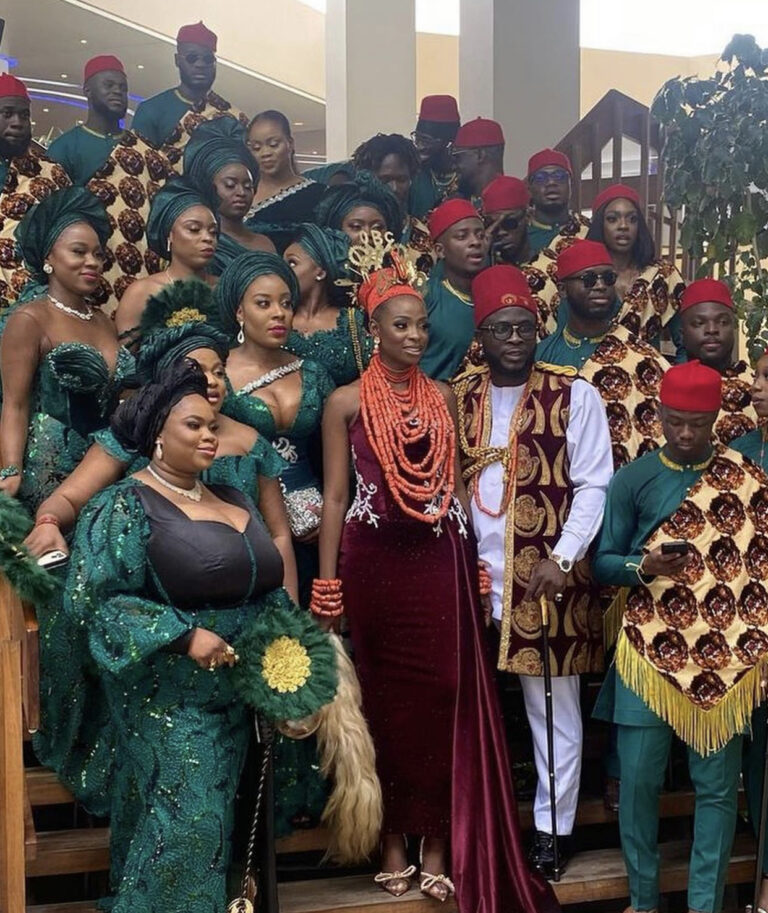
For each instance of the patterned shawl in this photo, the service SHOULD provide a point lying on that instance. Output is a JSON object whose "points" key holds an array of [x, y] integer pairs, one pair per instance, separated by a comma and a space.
{"points": [[694, 649]]}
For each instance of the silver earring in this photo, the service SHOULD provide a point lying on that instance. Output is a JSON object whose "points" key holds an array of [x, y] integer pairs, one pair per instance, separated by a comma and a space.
{"points": [[241, 334], [319, 278], [47, 269], [159, 449]]}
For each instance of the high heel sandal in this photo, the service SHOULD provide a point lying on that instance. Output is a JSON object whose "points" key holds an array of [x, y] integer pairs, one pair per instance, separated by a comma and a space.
{"points": [[396, 883], [438, 887]]}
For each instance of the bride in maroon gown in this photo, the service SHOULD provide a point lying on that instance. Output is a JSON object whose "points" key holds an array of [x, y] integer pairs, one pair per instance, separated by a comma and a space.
{"points": [[402, 561]]}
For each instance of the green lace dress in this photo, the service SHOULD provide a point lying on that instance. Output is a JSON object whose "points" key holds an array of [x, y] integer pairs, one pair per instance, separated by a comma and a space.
{"points": [[73, 395], [337, 349], [300, 790], [171, 737]]}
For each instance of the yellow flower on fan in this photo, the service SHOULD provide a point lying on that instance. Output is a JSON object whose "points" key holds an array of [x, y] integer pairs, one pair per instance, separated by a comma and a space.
{"points": [[286, 665], [185, 315]]}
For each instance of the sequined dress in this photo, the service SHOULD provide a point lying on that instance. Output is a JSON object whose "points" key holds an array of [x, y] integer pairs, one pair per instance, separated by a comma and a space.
{"points": [[72, 396], [339, 349], [300, 791], [137, 728]]}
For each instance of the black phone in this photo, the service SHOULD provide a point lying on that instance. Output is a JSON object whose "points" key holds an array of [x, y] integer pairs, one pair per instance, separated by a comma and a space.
{"points": [[675, 548]]}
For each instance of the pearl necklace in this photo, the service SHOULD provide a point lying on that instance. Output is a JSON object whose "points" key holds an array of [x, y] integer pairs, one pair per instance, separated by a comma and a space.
{"points": [[195, 493], [72, 311]]}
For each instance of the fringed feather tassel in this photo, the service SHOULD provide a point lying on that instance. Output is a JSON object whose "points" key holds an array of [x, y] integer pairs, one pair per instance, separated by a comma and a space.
{"points": [[613, 617], [354, 810]]}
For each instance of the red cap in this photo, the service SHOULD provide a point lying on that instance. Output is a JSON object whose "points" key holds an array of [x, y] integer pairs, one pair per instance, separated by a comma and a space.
{"points": [[500, 287], [692, 387], [706, 290], [479, 132], [10, 87], [505, 193], [582, 255], [546, 158], [449, 213], [616, 192], [197, 34], [99, 64], [440, 109]]}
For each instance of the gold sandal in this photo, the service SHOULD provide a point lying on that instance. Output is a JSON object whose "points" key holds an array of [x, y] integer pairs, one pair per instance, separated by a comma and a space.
{"points": [[396, 883]]}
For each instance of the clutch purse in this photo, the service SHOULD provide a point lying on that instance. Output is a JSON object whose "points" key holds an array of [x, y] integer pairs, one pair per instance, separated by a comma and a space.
{"points": [[302, 518]]}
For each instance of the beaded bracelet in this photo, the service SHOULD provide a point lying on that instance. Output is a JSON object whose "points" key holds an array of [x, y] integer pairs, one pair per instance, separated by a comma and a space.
{"points": [[486, 584], [47, 518], [326, 598], [8, 471]]}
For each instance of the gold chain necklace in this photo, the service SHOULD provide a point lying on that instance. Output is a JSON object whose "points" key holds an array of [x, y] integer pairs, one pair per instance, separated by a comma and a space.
{"points": [[576, 342]]}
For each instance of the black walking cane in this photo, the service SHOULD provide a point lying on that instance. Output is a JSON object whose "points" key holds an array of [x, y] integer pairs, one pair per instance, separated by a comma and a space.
{"points": [[550, 734], [761, 831]]}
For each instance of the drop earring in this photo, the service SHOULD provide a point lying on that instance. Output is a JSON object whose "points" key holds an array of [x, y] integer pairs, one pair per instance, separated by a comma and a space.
{"points": [[375, 343], [241, 334], [47, 269], [159, 449]]}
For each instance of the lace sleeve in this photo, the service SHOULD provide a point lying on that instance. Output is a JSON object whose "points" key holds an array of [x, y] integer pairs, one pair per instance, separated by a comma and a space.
{"points": [[268, 460], [106, 585]]}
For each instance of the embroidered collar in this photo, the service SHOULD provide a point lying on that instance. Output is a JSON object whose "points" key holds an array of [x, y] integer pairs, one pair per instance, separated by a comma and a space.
{"points": [[681, 467], [93, 132], [281, 195], [575, 342]]}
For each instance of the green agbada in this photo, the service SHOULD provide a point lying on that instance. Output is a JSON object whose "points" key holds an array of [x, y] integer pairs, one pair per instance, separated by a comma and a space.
{"points": [[365, 190], [240, 274], [41, 226], [173, 199]]}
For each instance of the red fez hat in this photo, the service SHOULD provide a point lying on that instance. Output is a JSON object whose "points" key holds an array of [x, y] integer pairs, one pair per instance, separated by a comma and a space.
{"points": [[498, 287], [99, 64], [449, 213], [505, 193], [616, 192], [479, 132], [692, 387], [197, 34], [440, 109], [582, 255], [547, 158], [706, 290], [10, 87]]}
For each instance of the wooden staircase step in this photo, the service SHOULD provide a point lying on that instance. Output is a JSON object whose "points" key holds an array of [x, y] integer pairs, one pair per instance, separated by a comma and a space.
{"points": [[44, 788], [79, 906], [68, 852], [593, 875]]}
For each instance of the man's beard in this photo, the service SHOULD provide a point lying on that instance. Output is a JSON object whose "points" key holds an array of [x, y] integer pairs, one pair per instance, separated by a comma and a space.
{"points": [[15, 148]]}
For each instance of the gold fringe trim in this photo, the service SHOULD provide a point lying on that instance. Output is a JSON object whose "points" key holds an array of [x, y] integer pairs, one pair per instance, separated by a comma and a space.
{"points": [[706, 731], [613, 617]]}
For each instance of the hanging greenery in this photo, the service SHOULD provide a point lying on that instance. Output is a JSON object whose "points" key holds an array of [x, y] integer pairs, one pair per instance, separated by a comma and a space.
{"points": [[715, 158]]}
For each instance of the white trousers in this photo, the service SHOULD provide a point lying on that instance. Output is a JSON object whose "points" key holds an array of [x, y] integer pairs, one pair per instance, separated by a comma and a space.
{"points": [[568, 739]]}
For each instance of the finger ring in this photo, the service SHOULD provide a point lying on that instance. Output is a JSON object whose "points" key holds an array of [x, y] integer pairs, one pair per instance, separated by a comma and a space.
{"points": [[212, 665], [558, 597], [237, 658], [230, 650]]}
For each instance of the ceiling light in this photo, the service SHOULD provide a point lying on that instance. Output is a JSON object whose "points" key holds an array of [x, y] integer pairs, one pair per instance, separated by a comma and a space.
{"points": [[64, 76], [139, 66], [45, 110], [79, 123], [32, 122], [298, 123], [83, 41]]}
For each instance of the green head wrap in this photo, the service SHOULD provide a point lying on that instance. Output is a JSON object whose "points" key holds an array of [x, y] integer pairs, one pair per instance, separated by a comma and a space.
{"points": [[164, 347], [173, 198], [41, 226], [213, 145], [364, 190], [240, 274], [328, 247]]}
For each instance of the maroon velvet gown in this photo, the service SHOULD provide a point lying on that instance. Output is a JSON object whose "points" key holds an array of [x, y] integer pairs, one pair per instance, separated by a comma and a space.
{"points": [[410, 589]]}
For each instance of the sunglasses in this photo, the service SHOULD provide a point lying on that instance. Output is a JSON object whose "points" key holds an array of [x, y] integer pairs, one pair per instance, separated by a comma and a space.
{"points": [[508, 223], [590, 278], [192, 58], [503, 331], [424, 139], [560, 175]]}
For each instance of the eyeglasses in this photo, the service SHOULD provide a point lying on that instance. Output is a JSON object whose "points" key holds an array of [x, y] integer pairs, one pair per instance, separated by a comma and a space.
{"points": [[502, 331], [193, 57], [590, 278], [508, 223], [424, 139], [559, 175]]}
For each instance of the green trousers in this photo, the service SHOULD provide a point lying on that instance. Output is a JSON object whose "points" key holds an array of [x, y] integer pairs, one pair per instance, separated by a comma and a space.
{"points": [[643, 753], [752, 768]]}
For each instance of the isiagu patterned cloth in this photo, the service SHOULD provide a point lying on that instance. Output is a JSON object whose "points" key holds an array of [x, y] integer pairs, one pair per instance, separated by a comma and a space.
{"points": [[212, 106], [694, 650], [737, 415]]}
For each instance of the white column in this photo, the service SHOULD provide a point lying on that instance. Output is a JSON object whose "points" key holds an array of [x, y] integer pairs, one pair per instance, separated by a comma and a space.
{"points": [[519, 63], [370, 71]]}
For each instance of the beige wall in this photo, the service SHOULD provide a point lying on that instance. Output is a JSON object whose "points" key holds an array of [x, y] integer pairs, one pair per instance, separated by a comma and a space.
{"points": [[638, 75], [284, 41], [437, 65]]}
